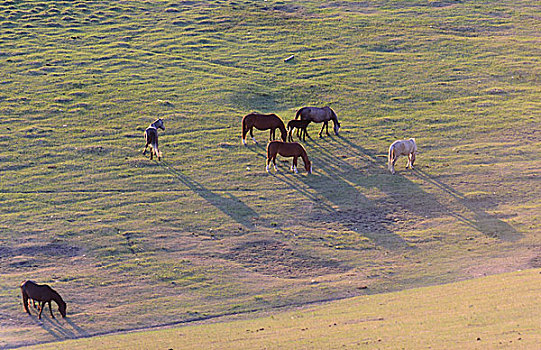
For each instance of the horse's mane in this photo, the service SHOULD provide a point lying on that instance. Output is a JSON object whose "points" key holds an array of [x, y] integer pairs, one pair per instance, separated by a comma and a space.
{"points": [[334, 117]]}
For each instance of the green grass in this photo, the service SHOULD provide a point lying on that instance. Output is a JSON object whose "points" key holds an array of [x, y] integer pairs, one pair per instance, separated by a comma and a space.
{"points": [[206, 232], [482, 313]]}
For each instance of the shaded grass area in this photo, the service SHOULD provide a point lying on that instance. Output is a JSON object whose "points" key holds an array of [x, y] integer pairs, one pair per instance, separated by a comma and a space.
{"points": [[477, 313], [207, 232]]}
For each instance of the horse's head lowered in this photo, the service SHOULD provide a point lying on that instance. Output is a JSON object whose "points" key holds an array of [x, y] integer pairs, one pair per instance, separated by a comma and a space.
{"points": [[158, 124], [62, 307], [335, 121], [308, 166]]}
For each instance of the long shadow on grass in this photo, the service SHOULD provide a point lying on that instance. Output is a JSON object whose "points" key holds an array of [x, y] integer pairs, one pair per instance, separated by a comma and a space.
{"points": [[333, 193], [405, 191], [481, 221], [227, 203], [56, 329]]}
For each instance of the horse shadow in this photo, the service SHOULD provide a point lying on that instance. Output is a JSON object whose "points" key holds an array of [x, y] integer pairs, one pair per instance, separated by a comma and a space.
{"points": [[425, 204], [330, 192], [283, 176], [481, 221], [226, 203], [61, 329]]}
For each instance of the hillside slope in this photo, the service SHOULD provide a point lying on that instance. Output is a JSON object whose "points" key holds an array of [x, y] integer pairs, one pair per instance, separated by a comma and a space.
{"points": [[500, 311], [132, 243]]}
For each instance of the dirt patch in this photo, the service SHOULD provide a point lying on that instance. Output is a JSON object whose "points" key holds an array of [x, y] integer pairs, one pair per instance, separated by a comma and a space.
{"points": [[374, 219], [519, 260], [50, 249], [278, 259], [535, 262]]}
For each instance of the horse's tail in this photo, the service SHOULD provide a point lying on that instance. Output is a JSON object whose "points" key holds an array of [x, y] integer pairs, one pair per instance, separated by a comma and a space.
{"points": [[244, 129], [391, 154], [25, 297], [299, 113]]}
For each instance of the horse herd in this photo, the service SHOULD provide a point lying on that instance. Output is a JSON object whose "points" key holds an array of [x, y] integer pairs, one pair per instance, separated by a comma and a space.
{"points": [[286, 147], [43, 294]]}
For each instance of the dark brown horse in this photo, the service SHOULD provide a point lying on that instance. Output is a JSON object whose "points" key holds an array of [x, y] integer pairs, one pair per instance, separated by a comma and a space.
{"points": [[300, 125], [41, 293], [151, 138], [287, 149], [262, 122], [319, 115]]}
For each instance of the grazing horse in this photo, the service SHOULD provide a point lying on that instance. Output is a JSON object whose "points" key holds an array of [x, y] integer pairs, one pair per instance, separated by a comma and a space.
{"points": [[287, 149], [151, 138], [262, 122], [41, 293], [300, 125], [402, 148], [319, 115]]}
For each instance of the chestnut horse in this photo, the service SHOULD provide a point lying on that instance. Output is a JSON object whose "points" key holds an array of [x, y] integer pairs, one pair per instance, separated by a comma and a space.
{"points": [[300, 125], [287, 149], [151, 138], [319, 115], [262, 122], [41, 293], [402, 148]]}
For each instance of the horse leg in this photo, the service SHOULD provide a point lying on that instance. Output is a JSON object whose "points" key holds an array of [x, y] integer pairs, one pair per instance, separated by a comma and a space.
{"points": [[395, 158], [145, 150], [294, 166], [51, 309], [321, 131], [157, 151], [411, 160], [244, 132], [269, 160], [327, 128], [41, 306], [252, 134]]}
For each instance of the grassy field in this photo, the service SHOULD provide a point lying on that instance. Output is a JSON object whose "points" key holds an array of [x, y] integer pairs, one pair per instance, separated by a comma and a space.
{"points": [[477, 314], [132, 243]]}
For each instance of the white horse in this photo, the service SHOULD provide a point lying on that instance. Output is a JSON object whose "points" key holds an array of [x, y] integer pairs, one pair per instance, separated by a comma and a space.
{"points": [[402, 148]]}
